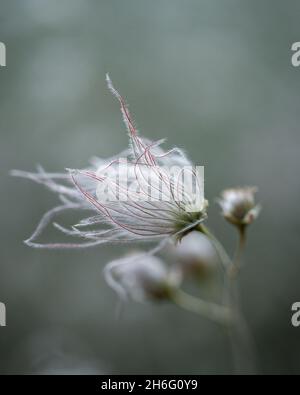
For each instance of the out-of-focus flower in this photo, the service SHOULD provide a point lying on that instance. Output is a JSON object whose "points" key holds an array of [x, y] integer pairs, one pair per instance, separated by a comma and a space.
{"points": [[139, 277], [126, 211], [238, 205], [195, 254]]}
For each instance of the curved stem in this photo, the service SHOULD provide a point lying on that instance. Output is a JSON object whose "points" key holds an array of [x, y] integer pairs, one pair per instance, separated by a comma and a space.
{"points": [[226, 261], [215, 312]]}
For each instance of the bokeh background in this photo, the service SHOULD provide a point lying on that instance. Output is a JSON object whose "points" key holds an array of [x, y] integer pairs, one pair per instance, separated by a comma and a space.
{"points": [[214, 77]]}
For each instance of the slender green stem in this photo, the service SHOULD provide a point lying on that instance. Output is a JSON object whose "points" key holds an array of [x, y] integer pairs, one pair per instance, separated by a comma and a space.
{"points": [[236, 265], [214, 312], [239, 334], [241, 338], [226, 261]]}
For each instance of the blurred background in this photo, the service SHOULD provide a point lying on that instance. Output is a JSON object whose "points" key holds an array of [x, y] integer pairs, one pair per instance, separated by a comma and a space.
{"points": [[215, 78]]}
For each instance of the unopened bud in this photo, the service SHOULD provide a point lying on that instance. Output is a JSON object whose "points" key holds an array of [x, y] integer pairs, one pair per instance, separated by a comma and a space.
{"points": [[196, 255], [138, 277], [238, 205]]}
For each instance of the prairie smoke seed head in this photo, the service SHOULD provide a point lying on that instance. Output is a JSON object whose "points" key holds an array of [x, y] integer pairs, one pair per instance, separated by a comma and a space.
{"points": [[142, 194], [238, 205]]}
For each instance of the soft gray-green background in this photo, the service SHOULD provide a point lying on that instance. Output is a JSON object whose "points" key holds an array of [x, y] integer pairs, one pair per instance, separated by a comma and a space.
{"points": [[215, 78]]}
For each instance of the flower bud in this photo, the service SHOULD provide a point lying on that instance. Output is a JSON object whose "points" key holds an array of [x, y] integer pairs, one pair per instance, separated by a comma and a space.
{"points": [[196, 255], [238, 205], [138, 277]]}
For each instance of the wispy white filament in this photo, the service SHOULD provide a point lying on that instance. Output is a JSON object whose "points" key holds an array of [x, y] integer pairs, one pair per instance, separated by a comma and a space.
{"points": [[133, 217]]}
